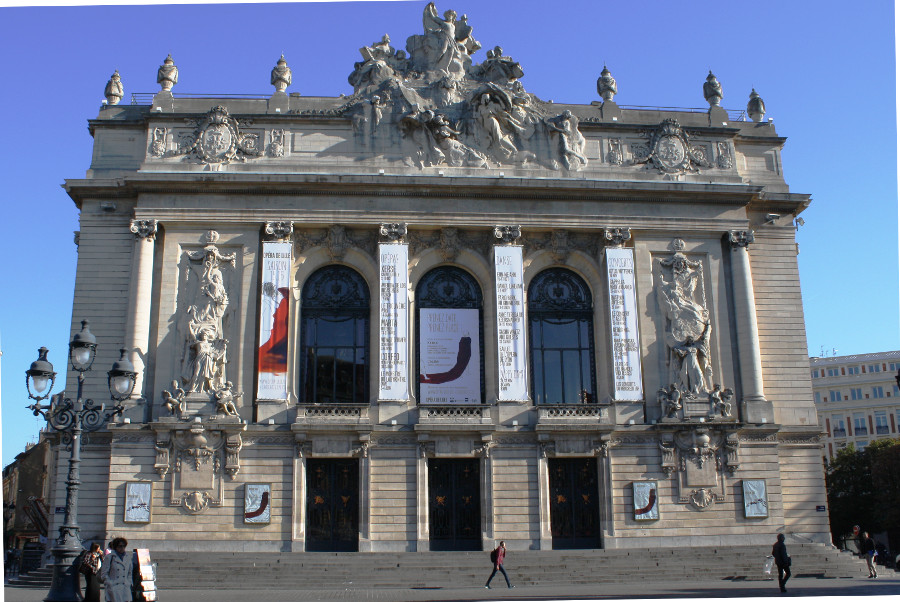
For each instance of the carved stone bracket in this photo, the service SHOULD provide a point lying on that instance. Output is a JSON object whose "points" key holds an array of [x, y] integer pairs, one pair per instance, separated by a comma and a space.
{"points": [[616, 237], [667, 453], [548, 448], [601, 448], [233, 445], [144, 228], [507, 234], [740, 238], [163, 444], [362, 450], [426, 449], [484, 449], [731, 452], [392, 232], [278, 230], [304, 449]]}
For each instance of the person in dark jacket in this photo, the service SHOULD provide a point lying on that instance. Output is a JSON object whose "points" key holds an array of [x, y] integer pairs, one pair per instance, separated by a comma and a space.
{"points": [[497, 557], [868, 548], [782, 561]]}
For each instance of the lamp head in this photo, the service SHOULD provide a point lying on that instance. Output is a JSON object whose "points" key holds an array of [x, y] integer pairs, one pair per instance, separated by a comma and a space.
{"points": [[122, 377], [40, 376], [83, 348]]}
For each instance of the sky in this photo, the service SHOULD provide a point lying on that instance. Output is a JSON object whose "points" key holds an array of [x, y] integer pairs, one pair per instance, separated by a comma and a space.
{"points": [[826, 70]]}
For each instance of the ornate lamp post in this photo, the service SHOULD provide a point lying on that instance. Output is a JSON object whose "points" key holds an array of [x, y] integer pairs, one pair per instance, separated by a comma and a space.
{"points": [[72, 418]]}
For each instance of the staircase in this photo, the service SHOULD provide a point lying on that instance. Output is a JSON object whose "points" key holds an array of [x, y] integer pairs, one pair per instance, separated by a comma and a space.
{"points": [[38, 578], [184, 570]]}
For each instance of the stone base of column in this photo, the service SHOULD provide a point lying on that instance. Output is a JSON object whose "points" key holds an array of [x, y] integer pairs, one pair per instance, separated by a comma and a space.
{"points": [[757, 410]]}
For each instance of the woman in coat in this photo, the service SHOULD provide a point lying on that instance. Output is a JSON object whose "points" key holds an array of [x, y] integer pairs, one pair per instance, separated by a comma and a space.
{"points": [[116, 571], [93, 557]]}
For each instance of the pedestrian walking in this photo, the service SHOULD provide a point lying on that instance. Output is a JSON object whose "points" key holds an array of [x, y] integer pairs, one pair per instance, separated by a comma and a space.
{"points": [[868, 548], [89, 567], [116, 572], [782, 561], [497, 557]]}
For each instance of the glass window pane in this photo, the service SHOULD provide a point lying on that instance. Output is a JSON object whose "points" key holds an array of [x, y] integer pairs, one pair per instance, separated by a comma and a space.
{"points": [[552, 377], [537, 375], [324, 375], [584, 336], [336, 330], [560, 334], [572, 376], [586, 385]]}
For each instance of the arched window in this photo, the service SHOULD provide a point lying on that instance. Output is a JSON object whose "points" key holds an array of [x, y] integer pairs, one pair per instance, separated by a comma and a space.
{"points": [[560, 317], [335, 337], [449, 338]]}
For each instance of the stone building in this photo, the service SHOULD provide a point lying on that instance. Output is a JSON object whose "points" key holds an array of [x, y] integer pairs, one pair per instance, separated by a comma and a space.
{"points": [[441, 312], [857, 398]]}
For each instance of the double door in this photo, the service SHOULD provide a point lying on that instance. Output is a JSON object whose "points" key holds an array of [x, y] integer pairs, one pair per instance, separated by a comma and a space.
{"points": [[454, 504], [574, 503], [332, 505]]}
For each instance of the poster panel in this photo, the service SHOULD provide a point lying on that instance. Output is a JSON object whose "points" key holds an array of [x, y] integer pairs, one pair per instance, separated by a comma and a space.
{"points": [[511, 353], [273, 321], [645, 500], [756, 503], [626, 341], [449, 356], [257, 502], [393, 348], [138, 495]]}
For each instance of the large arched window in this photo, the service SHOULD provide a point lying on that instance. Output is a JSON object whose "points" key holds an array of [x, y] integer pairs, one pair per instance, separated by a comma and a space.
{"points": [[449, 338], [560, 317], [335, 337]]}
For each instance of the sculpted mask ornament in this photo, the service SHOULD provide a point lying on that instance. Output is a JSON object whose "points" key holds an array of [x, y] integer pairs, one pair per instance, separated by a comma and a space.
{"points": [[682, 300], [114, 92], [218, 139], [167, 75]]}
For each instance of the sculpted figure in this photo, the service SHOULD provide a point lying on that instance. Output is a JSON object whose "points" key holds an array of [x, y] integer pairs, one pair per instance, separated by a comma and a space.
{"points": [[491, 116], [569, 139], [225, 400], [720, 401], [500, 69], [443, 50], [669, 400], [208, 364], [416, 127], [694, 358], [464, 35], [174, 402], [455, 152]]}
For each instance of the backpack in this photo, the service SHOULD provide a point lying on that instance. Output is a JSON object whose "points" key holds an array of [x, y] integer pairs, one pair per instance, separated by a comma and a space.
{"points": [[494, 556]]}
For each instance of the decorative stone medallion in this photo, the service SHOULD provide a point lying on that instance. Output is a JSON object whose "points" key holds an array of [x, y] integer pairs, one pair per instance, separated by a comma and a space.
{"points": [[670, 151], [218, 139]]}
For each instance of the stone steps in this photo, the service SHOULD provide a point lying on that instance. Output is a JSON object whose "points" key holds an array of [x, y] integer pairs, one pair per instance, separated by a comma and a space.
{"points": [[38, 578]]}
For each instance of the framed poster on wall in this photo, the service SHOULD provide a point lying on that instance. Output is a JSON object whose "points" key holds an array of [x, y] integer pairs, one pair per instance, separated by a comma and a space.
{"points": [[646, 505], [756, 503], [257, 503], [138, 496], [449, 349]]}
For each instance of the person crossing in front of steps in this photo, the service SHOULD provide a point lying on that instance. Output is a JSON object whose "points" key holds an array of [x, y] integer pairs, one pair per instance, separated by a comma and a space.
{"points": [[782, 561], [868, 548], [497, 556]]}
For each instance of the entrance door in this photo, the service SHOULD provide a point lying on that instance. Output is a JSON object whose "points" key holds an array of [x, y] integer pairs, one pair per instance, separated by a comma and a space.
{"points": [[574, 503], [454, 503], [332, 505]]}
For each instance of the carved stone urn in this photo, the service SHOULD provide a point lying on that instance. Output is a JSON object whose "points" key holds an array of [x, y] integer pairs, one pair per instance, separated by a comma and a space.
{"points": [[756, 108], [606, 85], [281, 76], [167, 76], [712, 90], [114, 91]]}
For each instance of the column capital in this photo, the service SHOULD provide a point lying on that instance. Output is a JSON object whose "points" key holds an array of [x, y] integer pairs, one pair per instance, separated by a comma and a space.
{"points": [[278, 230], [507, 234], [740, 238], [392, 232], [144, 228], [616, 237]]}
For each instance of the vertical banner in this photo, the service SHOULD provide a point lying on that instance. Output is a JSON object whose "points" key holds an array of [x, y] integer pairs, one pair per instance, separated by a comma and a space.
{"points": [[273, 321], [510, 293], [626, 342], [393, 320], [449, 356]]}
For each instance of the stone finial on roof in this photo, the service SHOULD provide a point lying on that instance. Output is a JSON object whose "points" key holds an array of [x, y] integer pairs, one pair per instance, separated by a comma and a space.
{"points": [[606, 85], [756, 108], [281, 76], [114, 91], [167, 75], [712, 90]]}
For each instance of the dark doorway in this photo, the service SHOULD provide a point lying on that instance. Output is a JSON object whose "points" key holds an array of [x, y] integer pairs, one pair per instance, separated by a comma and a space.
{"points": [[332, 505], [454, 503], [574, 503]]}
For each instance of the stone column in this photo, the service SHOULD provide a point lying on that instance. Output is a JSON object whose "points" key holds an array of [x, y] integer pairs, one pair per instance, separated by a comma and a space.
{"points": [[546, 541], [487, 488], [422, 536], [365, 494], [755, 407], [298, 497], [137, 323]]}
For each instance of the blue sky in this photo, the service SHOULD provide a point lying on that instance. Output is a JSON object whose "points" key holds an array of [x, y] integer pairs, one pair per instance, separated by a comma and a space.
{"points": [[825, 69]]}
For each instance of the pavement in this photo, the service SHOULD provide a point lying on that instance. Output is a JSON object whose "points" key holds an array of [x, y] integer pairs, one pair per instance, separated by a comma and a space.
{"points": [[797, 587]]}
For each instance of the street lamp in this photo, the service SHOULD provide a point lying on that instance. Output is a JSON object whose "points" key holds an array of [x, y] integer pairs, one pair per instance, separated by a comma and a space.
{"points": [[71, 418]]}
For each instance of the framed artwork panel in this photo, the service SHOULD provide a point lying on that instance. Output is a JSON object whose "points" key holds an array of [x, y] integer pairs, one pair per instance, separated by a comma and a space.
{"points": [[138, 497], [257, 503], [646, 500], [756, 501]]}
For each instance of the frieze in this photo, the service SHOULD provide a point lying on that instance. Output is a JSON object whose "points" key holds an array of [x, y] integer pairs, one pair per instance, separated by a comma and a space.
{"points": [[450, 242], [268, 440], [394, 441], [754, 438], [132, 438], [514, 440], [560, 243], [336, 240], [800, 440]]}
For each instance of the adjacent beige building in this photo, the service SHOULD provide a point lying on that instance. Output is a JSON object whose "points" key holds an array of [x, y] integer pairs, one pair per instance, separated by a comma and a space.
{"points": [[857, 398], [442, 312]]}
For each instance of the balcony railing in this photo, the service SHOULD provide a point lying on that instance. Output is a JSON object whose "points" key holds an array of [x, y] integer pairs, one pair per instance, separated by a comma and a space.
{"points": [[860, 431], [882, 430], [839, 432]]}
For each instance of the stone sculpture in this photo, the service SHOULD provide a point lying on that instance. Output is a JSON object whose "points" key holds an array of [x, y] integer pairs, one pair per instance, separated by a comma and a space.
{"points": [[712, 90], [225, 400], [167, 75], [206, 350], [281, 76], [720, 402], [174, 401], [669, 401], [451, 112], [756, 108], [688, 328], [114, 92]]}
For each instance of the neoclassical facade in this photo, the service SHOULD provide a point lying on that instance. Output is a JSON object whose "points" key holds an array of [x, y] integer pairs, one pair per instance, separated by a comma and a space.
{"points": [[441, 312]]}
